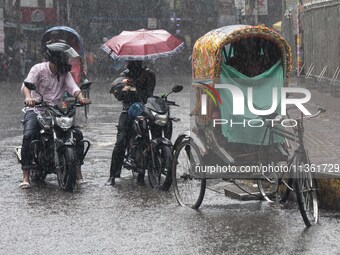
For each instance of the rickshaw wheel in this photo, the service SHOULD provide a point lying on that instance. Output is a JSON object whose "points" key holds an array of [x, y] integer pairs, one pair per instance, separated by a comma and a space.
{"points": [[189, 191], [306, 190]]}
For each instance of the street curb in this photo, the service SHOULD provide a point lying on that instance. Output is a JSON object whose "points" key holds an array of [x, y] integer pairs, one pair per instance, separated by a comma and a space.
{"points": [[329, 194]]}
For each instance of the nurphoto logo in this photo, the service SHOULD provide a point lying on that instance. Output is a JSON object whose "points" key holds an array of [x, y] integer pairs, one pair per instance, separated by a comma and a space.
{"points": [[238, 100]]}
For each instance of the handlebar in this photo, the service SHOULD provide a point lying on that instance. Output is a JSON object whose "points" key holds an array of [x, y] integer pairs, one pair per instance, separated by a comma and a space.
{"points": [[278, 118], [77, 104], [320, 110], [43, 104], [36, 103], [171, 103]]}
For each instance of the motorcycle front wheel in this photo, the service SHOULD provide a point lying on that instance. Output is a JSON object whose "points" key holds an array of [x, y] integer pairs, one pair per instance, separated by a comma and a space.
{"points": [[67, 169], [160, 176]]}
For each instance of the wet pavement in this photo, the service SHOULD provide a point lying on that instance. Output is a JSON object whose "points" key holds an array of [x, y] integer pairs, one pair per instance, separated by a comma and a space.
{"points": [[134, 219]]}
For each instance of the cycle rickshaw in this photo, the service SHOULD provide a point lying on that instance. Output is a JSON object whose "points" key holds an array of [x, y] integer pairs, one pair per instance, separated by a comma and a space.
{"points": [[250, 58], [71, 37]]}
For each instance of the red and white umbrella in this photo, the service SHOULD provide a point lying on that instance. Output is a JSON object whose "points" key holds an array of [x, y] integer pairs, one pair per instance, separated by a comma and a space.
{"points": [[142, 44]]}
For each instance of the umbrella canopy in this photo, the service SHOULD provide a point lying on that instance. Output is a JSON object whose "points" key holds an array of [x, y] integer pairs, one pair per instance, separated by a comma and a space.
{"points": [[142, 44]]}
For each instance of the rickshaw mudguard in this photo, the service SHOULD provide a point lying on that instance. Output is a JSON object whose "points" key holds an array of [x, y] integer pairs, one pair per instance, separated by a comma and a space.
{"points": [[193, 138]]}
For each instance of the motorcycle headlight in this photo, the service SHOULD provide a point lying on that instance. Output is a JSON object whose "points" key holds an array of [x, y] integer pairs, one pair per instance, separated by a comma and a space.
{"points": [[160, 119], [45, 120], [64, 123]]}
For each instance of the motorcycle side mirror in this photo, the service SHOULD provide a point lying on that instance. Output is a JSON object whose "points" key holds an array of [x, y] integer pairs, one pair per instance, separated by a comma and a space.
{"points": [[30, 85], [85, 85], [177, 88]]}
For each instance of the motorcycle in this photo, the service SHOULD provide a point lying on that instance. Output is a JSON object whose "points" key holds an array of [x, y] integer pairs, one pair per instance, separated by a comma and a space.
{"points": [[152, 130], [55, 150]]}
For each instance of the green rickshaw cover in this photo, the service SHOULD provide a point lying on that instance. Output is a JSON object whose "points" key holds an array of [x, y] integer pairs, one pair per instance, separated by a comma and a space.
{"points": [[262, 99]]}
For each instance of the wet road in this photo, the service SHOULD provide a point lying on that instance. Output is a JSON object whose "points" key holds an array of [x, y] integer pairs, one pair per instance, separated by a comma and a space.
{"points": [[133, 219]]}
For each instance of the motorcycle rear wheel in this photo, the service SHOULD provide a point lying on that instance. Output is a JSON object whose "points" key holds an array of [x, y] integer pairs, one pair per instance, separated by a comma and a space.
{"points": [[67, 169]]}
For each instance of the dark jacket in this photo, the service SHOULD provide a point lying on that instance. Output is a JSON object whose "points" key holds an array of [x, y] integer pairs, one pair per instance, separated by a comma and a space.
{"points": [[145, 84]]}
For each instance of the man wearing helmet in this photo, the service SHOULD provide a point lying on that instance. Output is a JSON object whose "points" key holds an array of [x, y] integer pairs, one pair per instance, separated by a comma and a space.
{"points": [[134, 78], [52, 79]]}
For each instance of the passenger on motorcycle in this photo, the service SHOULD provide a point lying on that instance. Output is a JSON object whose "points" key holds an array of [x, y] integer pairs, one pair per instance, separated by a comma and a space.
{"points": [[52, 79], [141, 82]]}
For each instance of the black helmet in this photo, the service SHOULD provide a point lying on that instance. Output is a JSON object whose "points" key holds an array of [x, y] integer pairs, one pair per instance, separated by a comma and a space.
{"points": [[59, 54]]}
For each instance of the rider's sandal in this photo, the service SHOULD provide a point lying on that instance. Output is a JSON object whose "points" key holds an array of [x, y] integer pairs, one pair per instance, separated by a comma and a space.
{"points": [[81, 181], [24, 185]]}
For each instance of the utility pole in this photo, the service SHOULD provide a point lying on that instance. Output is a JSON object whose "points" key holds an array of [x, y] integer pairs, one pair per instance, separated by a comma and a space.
{"points": [[68, 9], [2, 32], [256, 12], [299, 38], [17, 5], [283, 25]]}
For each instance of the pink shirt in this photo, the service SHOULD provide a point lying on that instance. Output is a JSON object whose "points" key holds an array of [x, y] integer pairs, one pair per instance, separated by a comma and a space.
{"points": [[48, 85]]}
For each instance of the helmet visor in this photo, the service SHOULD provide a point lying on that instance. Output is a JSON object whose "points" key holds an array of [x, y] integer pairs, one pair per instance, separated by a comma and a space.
{"points": [[71, 53], [63, 49]]}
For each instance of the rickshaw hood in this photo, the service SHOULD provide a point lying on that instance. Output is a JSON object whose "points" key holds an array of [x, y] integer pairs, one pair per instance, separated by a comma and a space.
{"points": [[207, 57]]}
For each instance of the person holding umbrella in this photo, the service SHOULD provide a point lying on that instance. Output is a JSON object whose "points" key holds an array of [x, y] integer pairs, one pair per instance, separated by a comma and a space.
{"points": [[141, 82], [135, 47]]}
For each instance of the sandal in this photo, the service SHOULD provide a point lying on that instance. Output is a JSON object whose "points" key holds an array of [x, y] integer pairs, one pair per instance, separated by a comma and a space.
{"points": [[24, 185], [81, 181]]}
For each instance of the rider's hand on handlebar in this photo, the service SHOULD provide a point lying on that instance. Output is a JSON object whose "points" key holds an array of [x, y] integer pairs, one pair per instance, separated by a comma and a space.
{"points": [[29, 101], [84, 101]]}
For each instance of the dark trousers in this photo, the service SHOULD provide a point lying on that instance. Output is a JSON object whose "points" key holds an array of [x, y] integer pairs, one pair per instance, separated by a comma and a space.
{"points": [[31, 132], [122, 139]]}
